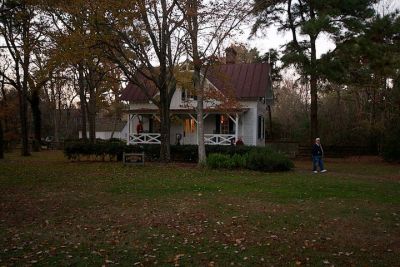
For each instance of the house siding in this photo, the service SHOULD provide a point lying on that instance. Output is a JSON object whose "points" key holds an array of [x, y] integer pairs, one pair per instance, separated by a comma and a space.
{"points": [[248, 123], [261, 111], [247, 120]]}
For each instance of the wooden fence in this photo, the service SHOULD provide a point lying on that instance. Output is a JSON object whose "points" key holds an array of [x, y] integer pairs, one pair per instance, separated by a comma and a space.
{"points": [[296, 150]]}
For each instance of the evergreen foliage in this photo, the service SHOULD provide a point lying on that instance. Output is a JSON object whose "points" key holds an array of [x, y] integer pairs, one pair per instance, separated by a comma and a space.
{"points": [[307, 20], [230, 157]]}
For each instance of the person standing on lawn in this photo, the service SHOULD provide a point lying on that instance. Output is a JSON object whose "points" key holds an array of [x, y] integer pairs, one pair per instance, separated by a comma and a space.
{"points": [[317, 156]]}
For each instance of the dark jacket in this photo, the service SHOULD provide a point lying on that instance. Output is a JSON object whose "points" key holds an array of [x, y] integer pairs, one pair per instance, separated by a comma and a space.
{"points": [[317, 150]]}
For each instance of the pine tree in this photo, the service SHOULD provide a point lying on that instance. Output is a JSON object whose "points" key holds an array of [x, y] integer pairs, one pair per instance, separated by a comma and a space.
{"points": [[307, 20]]}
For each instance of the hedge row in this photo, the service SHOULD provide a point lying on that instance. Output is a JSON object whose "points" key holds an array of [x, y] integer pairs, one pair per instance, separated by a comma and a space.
{"points": [[259, 159], [113, 149], [263, 159], [74, 150]]}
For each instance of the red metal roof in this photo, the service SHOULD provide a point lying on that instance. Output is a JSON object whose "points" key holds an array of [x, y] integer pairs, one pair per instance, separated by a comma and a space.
{"points": [[249, 81], [246, 81], [134, 93]]}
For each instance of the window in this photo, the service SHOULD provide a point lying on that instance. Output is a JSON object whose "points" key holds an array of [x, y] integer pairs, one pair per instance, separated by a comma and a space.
{"points": [[224, 125], [190, 125], [188, 94], [260, 127], [224, 122]]}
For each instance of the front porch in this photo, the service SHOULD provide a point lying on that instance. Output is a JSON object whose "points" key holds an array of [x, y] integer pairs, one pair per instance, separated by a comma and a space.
{"points": [[154, 138], [221, 128]]}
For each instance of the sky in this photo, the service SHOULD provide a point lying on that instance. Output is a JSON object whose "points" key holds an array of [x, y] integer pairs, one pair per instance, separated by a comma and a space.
{"points": [[271, 38]]}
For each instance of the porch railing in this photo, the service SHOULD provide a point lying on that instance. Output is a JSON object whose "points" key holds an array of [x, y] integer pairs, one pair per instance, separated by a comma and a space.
{"points": [[145, 138], [219, 139], [209, 139]]}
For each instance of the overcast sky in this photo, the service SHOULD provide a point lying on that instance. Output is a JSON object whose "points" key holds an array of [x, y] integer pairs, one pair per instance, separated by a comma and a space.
{"points": [[273, 39]]}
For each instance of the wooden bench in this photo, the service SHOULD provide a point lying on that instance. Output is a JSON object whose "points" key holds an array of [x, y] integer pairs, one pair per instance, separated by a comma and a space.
{"points": [[133, 158]]}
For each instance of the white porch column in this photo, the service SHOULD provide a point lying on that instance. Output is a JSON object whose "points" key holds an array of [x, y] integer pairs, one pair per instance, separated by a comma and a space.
{"points": [[129, 129], [236, 121]]}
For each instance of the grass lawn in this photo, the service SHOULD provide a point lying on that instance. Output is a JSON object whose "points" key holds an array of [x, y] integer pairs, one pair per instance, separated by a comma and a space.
{"points": [[55, 213]]}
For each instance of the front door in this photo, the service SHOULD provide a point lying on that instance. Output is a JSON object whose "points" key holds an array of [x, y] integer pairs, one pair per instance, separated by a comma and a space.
{"points": [[189, 132]]}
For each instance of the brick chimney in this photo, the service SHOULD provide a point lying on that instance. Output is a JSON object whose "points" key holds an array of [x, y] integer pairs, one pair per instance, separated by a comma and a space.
{"points": [[230, 54]]}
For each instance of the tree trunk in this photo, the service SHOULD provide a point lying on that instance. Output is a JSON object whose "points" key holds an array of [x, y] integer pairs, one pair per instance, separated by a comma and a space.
{"points": [[313, 93], [92, 127], [23, 93], [23, 113], [1, 141], [82, 97], [92, 116], [3, 129], [200, 115], [53, 103], [37, 119], [114, 125], [313, 83], [165, 149], [56, 127], [197, 81], [314, 108]]}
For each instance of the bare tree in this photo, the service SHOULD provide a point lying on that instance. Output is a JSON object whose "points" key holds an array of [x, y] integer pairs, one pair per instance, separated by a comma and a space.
{"points": [[208, 25], [144, 39], [15, 23], [3, 105], [77, 48]]}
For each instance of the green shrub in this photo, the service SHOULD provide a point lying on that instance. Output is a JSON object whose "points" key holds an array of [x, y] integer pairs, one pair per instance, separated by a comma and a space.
{"points": [[115, 148], [229, 150], [223, 161], [239, 161], [75, 149], [258, 159], [229, 157], [219, 161], [264, 159]]}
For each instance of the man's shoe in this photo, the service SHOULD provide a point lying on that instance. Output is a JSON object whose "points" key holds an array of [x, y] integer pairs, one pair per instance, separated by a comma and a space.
{"points": [[323, 171], [315, 172]]}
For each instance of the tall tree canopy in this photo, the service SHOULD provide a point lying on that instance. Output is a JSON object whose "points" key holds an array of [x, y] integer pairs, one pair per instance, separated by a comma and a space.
{"points": [[207, 26], [145, 40], [22, 30], [307, 20], [370, 65]]}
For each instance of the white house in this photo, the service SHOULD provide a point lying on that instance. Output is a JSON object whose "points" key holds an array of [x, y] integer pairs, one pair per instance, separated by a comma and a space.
{"points": [[250, 85]]}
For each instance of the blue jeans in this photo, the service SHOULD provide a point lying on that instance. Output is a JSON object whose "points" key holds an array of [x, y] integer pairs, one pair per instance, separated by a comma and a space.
{"points": [[317, 161]]}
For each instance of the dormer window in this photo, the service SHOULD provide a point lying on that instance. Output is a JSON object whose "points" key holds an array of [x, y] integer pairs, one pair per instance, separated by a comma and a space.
{"points": [[188, 95]]}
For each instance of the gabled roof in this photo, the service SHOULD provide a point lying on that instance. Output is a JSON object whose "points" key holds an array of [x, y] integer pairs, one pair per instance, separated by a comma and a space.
{"points": [[246, 81], [134, 94]]}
